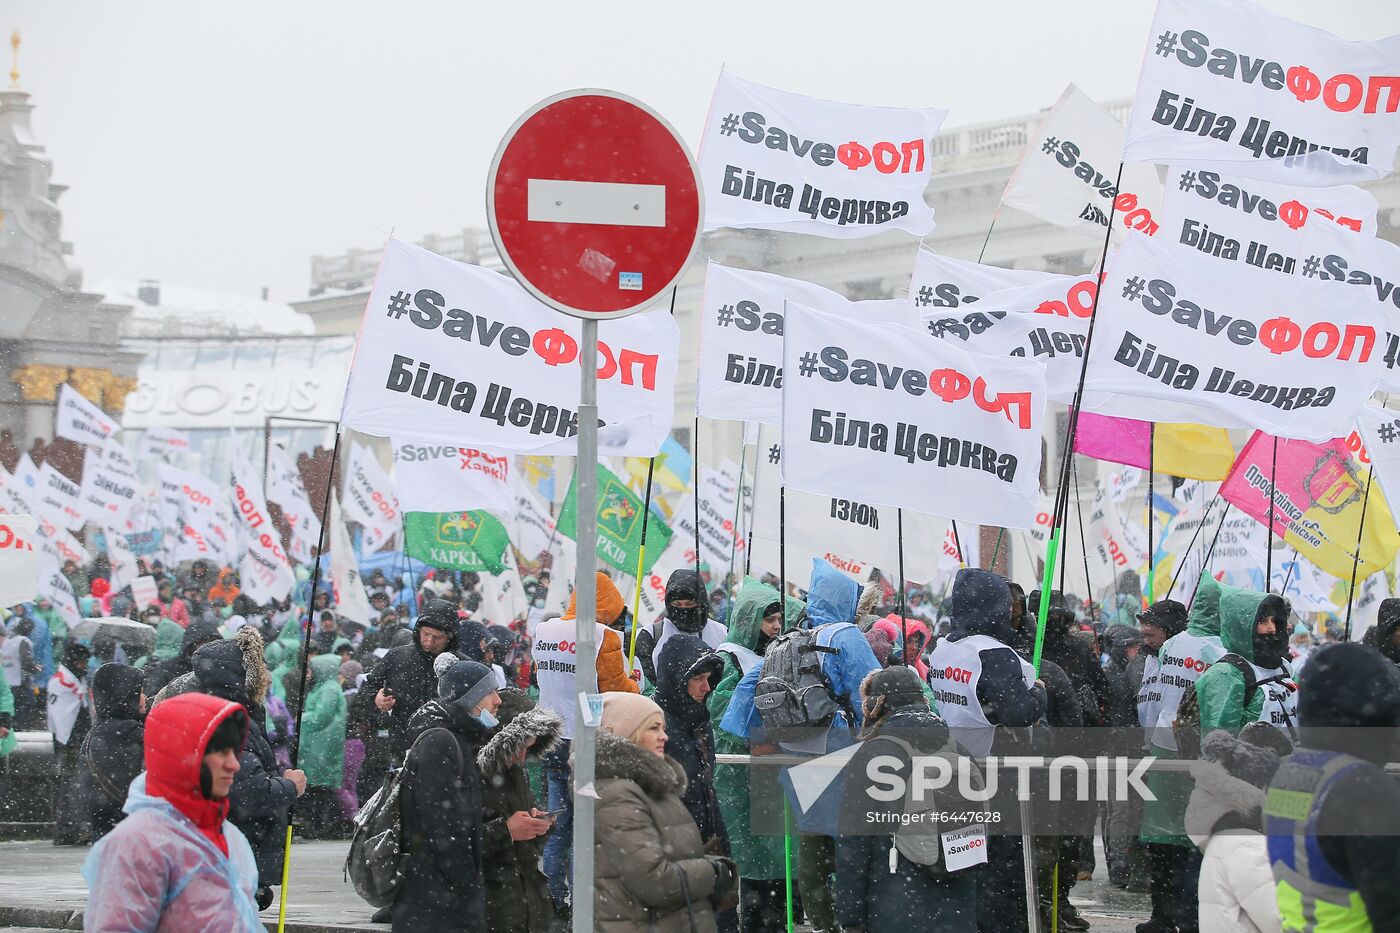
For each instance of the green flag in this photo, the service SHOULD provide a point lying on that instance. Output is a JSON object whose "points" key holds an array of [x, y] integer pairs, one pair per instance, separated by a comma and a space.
{"points": [[471, 541], [620, 512]]}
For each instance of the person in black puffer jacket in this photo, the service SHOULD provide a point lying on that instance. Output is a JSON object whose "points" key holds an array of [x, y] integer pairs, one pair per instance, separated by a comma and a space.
{"points": [[112, 754], [444, 885], [687, 667], [867, 893], [198, 632], [260, 801], [517, 896]]}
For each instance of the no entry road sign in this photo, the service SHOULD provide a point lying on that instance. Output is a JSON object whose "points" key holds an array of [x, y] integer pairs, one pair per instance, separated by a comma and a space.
{"points": [[594, 203]]}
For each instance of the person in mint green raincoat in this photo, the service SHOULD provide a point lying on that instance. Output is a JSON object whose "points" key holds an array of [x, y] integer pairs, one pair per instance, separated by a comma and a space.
{"points": [[322, 754], [1254, 626], [1174, 863], [169, 637], [282, 654], [7, 718]]}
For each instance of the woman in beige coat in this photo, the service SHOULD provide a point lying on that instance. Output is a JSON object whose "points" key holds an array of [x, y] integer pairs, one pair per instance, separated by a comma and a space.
{"points": [[652, 872]]}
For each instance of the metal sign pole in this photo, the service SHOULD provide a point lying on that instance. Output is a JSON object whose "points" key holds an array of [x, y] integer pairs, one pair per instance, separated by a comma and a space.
{"points": [[585, 592]]}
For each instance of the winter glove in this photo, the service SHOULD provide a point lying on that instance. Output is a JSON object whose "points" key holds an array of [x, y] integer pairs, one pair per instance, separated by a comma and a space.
{"points": [[726, 882]]}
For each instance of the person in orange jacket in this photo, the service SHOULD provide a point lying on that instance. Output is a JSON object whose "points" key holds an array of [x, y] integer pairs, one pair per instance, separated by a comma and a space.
{"points": [[554, 653]]}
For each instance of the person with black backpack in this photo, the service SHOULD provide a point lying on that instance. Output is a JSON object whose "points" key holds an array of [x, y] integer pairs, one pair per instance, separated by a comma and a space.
{"points": [[1252, 682]]}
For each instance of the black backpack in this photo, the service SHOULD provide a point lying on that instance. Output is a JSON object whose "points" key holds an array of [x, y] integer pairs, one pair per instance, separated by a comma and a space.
{"points": [[794, 694], [1187, 725]]}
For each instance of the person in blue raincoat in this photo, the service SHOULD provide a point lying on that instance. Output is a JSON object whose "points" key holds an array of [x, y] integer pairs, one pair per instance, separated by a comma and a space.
{"points": [[175, 864], [831, 603]]}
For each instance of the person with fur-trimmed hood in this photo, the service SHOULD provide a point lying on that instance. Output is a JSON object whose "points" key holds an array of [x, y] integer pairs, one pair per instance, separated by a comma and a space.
{"points": [[517, 897], [234, 669], [651, 869]]}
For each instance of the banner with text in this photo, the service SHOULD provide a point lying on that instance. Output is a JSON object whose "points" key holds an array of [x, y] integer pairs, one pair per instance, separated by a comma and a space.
{"points": [[782, 161], [286, 489], [81, 421], [438, 478], [620, 514], [1227, 85], [1230, 347], [370, 499], [452, 353], [264, 570], [472, 540], [876, 413]]}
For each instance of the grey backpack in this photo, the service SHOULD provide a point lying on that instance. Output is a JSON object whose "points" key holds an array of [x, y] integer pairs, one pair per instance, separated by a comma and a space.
{"points": [[794, 694], [374, 865]]}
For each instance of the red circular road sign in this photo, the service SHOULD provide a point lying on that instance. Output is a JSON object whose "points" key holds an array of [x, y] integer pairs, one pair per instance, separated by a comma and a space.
{"points": [[594, 203]]}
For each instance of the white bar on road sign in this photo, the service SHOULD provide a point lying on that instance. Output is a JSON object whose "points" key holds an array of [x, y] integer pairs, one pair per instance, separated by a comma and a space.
{"points": [[552, 200]]}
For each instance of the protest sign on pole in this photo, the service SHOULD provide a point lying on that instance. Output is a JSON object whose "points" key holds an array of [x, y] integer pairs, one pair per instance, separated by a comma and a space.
{"points": [[160, 443], [1230, 347], [943, 283], [54, 585], [1380, 431], [441, 477], [740, 363], [108, 492], [470, 541], [881, 414], [79, 420], [349, 589], [782, 161], [1229, 86], [467, 357], [19, 560], [370, 499], [1067, 175], [718, 498], [53, 495], [196, 516], [1317, 492], [145, 592]]}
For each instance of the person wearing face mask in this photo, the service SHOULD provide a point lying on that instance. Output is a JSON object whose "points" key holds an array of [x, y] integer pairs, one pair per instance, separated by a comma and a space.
{"points": [[688, 612], [1254, 629], [444, 886]]}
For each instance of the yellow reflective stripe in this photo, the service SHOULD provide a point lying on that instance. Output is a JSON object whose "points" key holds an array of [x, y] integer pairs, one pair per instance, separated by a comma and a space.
{"points": [[1288, 804]]}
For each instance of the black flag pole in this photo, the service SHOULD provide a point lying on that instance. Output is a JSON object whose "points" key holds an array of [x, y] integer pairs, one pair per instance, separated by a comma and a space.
{"points": [[903, 612], [695, 488], [957, 542], [1269, 538], [1181, 564], [1356, 558], [1151, 510]]}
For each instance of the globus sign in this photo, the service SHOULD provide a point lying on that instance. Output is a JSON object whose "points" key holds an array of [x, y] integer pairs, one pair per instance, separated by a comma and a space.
{"points": [[594, 203]]}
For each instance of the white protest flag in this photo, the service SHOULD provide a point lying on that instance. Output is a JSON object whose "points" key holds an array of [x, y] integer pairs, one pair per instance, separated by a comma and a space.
{"points": [[1241, 551], [108, 493], [164, 443], [447, 478], [1235, 347], [125, 570], [561, 574], [195, 512], [721, 542], [59, 544], [350, 599], [1034, 542], [81, 421], [1227, 85], [782, 161], [1380, 431], [854, 537], [1068, 175], [286, 489], [54, 585], [451, 353], [530, 523], [941, 281], [370, 499], [1296, 580], [502, 595], [740, 364], [264, 570], [15, 497], [1370, 593], [882, 415], [1046, 322], [1108, 547], [19, 561], [55, 496], [1322, 233]]}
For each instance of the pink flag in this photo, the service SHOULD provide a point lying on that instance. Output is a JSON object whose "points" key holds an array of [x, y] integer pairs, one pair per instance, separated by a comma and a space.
{"points": [[1117, 440]]}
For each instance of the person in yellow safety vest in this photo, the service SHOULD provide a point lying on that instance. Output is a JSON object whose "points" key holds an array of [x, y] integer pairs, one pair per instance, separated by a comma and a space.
{"points": [[1331, 815]]}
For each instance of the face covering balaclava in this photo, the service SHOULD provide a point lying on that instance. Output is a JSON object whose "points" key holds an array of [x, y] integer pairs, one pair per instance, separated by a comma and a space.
{"points": [[1270, 650], [689, 620]]}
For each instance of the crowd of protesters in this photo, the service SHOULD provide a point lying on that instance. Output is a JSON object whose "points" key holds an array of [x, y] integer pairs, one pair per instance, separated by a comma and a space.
{"points": [[193, 739]]}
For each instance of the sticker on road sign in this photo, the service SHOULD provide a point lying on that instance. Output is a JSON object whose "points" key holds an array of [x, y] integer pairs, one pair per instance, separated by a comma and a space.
{"points": [[630, 281]]}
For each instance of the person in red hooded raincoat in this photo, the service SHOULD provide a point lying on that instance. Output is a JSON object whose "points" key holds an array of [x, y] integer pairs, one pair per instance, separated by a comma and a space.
{"points": [[175, 863]]}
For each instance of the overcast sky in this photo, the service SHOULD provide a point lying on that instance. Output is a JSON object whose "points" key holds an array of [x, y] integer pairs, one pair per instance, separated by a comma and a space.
{"points": [[220, 144]]}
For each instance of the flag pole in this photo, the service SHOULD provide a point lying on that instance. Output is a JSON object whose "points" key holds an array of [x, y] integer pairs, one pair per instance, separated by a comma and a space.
{"points": [[1062, 500], [1190, 544], [903, 588], [1269, 538], [1356, 558], [641, 561], [957, 543], [695, 488], [305, 660], [1151, 510], [734, 534]]}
